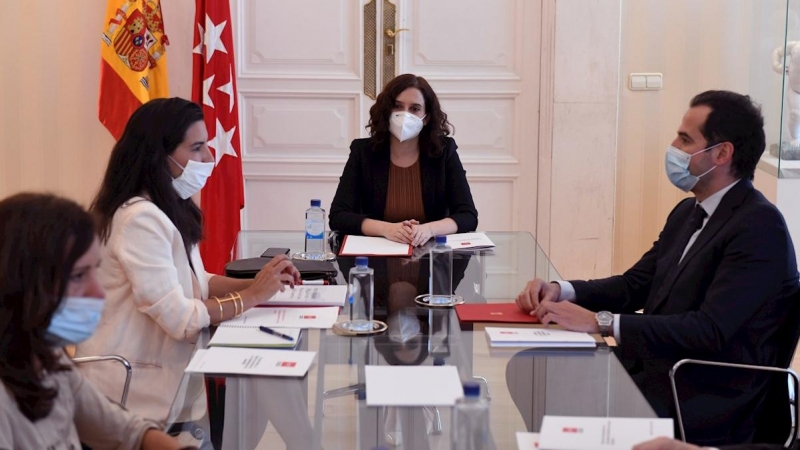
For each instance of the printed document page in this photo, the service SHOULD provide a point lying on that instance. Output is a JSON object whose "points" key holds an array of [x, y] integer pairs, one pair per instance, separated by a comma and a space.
{"points": [[286, 317], [469, 240], [413, 385], [311, 295], [596, 433], [372, 246], [248, 361], [527, 441], [252, 337], [538, 337]]}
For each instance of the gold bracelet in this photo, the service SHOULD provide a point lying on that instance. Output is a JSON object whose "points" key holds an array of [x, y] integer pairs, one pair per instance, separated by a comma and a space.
{"points": [[221, 312], [237, 308], [241, 302], [228, 299]]}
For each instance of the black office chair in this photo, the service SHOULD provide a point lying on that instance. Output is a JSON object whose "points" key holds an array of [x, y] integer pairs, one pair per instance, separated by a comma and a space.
{"points": [[778, 421]]}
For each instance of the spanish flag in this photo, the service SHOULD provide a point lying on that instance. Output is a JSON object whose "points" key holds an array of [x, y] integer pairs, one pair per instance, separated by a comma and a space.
{"points": [[133, 60]]}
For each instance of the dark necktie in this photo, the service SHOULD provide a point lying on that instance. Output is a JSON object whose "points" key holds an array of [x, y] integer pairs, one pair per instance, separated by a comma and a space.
{"points": [[692, 225]]}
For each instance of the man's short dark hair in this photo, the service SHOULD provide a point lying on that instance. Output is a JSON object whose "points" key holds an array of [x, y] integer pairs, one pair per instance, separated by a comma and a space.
{"points": [[734, 118]]}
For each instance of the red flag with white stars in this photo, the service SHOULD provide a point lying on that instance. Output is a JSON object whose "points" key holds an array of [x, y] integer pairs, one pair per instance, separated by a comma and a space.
{"points": [[214, 88]]}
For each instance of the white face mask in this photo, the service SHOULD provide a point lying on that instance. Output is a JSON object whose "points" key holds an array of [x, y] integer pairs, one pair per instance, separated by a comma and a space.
{"points": [[677, 167], [405, 126], [192, 179]]}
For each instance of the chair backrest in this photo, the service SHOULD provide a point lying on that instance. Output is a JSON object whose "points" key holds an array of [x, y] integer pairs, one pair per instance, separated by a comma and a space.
{"points": [[117, 358], [775, 420], [789, 333]]}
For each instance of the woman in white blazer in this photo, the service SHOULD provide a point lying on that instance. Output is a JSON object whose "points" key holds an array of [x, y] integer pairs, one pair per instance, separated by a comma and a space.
{"points": [[158, 295]]}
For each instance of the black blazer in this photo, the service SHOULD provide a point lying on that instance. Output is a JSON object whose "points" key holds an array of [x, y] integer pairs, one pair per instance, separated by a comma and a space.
{"points": [[363, 187], [725, 303]]}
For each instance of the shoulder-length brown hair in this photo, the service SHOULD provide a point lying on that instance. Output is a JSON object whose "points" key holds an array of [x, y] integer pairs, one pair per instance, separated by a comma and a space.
{"points": [[41, 238], [432, 137]]}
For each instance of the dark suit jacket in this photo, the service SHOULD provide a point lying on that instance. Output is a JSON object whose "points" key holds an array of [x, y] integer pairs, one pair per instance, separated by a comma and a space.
{"points": [[363, 186], [726, 303], [755, 447]]}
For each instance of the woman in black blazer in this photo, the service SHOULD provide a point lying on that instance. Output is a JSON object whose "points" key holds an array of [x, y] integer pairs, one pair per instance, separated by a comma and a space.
{"points": [[405, 182]]}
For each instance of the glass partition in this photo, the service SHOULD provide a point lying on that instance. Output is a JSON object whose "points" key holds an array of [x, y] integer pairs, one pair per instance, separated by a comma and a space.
{"points": [[775, 82]]}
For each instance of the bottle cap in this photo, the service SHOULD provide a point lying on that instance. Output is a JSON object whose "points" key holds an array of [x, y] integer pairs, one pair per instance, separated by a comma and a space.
{"points": [[438, 361], [316, 202], [472, 389], [362, 261], [441, 240]]}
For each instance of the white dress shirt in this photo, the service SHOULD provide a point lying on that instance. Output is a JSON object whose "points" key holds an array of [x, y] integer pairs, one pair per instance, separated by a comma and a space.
{"points": [[709, 205]]}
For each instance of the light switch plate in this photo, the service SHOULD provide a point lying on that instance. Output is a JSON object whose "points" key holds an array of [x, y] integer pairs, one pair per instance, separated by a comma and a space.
{"points": [[645, 81], [638, 82]]}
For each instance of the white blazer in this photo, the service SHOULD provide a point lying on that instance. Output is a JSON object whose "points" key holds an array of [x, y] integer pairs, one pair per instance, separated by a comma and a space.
{"points": [[152, 315]]}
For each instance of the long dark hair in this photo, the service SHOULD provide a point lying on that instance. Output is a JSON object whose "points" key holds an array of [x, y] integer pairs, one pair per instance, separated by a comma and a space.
{"points": [[41, 238], [432, 136], [139, 165]]}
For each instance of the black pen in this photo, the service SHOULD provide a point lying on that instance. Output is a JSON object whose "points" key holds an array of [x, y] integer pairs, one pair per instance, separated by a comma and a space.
{"points": [[275, 333]]}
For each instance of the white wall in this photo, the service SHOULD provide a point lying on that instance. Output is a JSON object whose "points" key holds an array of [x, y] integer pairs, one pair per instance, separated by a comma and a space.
{"points": [[584, 139], [50, 138], [697, 45]]}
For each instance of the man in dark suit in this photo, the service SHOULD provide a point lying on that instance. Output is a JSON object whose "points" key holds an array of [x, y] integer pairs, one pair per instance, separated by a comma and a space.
{"points": [[714, 286]]}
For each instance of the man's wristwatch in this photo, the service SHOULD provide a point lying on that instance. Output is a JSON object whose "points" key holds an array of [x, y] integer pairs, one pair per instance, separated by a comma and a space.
{"points": [[605, 320]]}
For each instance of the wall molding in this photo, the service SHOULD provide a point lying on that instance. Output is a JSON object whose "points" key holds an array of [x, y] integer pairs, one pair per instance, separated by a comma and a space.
{"points": [[265, 93], [250, 75]]}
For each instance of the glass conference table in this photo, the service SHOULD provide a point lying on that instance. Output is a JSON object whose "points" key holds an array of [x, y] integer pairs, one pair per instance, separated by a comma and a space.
{"points": [[327, 408]]}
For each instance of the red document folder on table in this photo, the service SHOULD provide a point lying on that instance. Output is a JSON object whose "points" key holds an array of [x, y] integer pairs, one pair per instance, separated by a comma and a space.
{"points": [[493, 312]]}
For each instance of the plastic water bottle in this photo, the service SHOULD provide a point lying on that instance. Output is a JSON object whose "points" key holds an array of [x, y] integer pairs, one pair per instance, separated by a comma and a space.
{"points": [[360, 295], [440, 283], [315, 230], [470, 430]]}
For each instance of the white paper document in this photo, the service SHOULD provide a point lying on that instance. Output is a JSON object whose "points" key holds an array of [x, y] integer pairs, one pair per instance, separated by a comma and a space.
{"points": [[373, 246], [538, 337], [286, 317], [248, 361], [469, 240], [527, 441], [412, 385], [322, 295], [596, 433], [227, 336]]}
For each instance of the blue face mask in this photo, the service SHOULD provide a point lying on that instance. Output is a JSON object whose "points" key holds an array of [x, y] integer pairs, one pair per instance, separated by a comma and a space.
{"points": [[74, 321], [677, 166]]}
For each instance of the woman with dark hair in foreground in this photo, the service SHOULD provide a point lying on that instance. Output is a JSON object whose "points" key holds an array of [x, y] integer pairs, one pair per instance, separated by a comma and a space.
{"points": [[50, 297]]}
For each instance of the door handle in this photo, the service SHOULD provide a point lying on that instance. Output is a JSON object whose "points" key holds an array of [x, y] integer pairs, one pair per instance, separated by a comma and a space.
{"points": [[392, 33]]}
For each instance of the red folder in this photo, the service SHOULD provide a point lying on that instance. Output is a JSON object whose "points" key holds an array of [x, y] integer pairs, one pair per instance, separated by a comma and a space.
{"points": [[493, 312]]}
